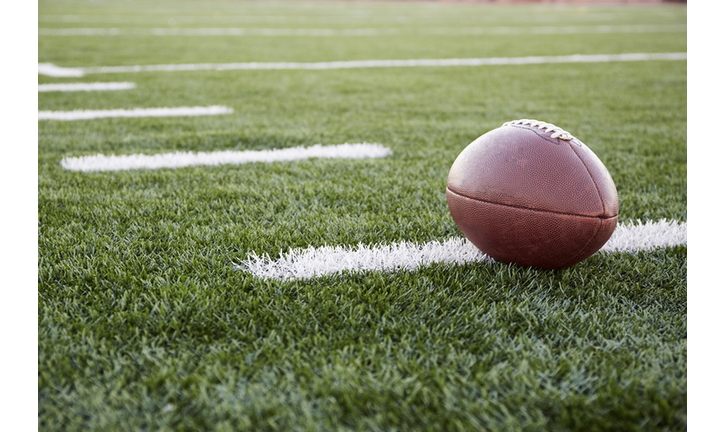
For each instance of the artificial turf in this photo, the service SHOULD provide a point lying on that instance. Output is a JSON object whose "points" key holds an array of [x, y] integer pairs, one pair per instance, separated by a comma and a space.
{"points": [[145, 322]]}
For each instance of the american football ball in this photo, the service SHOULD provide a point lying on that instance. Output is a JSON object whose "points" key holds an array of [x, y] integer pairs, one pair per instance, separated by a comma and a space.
{"points": [[532, 194]]}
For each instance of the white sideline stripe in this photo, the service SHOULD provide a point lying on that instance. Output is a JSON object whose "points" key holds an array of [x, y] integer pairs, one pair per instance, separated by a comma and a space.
{"points": [[136, 112], [169, 16], [354, 64], [97, 86], [50, 69], [325, 32], [312, 262], [185, 159], [635, 28]]}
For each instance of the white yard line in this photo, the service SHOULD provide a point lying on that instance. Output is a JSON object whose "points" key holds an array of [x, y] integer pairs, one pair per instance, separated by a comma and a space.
{"points": [[375, 31], [312, 262], [50, 69], [135, 112], [596, 29], [185, 159], [354, 64], [171, 18], [97, 86]]}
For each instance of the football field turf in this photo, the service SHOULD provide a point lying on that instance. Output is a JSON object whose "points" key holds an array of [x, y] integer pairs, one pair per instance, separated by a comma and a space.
{"points": [[150, 316]]}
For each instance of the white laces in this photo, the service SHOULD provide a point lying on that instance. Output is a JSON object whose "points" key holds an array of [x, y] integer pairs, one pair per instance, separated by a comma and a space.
{"points": [[547, 127]]}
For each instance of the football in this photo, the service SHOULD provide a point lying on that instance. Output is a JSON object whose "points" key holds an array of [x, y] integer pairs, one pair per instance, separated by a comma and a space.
{"points": [[532, 194]]}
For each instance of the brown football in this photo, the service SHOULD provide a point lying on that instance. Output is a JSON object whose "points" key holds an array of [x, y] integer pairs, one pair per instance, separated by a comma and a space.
{"points": [[530, 193]]}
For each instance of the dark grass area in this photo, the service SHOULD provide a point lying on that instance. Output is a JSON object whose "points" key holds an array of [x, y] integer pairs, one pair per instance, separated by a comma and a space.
{"points": [[598, 347]]}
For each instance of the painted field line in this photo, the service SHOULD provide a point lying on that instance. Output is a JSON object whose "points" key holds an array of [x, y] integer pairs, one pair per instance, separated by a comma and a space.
{"points": [[355, 64], [97, 86], [313, 262], [185, 159], [375, 31], [173, 19], [135, 112], [50, 69], [540, 30]]}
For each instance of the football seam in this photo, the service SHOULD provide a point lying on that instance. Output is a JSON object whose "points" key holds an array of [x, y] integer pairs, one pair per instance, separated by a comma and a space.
{"points": [[602, 218], [532, 129], [598, 190]]}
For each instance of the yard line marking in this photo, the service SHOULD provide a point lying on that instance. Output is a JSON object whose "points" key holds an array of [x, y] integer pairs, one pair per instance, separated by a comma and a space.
{"points": [[313, 262], [135, 112], [97, 86], [169, 17], [355, 64], [223, 31], [621, 28], [185, 159], [50, 69], [375, 31]]}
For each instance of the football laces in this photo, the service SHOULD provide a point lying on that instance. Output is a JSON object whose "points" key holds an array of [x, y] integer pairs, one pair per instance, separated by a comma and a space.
{"points": [[546, 127]]}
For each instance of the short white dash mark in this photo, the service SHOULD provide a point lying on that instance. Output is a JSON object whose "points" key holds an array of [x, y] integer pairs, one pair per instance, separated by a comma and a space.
{"points": [[75, 87], [185, 159], [134, 112]]}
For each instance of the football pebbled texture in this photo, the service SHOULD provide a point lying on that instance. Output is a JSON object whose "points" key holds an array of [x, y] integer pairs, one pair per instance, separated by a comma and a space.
{"points": [[530, 193]]}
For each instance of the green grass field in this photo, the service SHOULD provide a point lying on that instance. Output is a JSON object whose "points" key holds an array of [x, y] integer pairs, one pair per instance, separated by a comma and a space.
{"points": [[146, 323]]}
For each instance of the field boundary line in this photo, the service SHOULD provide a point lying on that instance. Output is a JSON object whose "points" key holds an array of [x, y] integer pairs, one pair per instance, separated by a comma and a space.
{"points": [[356, 32], [293, 19], [134, 112], [357, 64], [186, 159], [96, 86], [319, 261]]}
